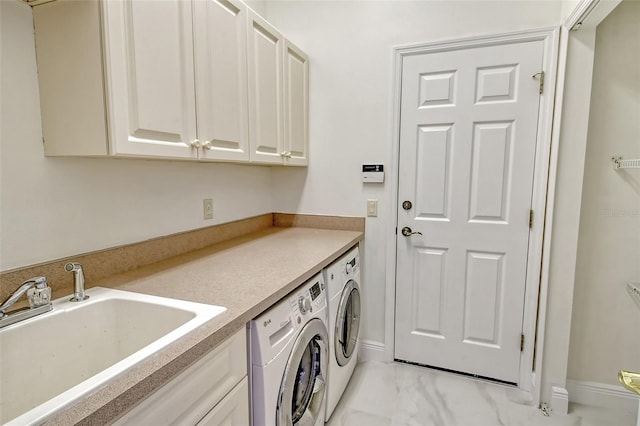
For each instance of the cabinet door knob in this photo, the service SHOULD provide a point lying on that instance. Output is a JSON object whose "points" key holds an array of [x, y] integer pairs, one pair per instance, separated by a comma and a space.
{"points": [[287, 154], [207, 145], [195, 143]]}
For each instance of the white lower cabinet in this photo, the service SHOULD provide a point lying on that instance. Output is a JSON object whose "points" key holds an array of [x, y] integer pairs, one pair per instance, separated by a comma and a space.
{"points": [[232, 410], [212, 391]]}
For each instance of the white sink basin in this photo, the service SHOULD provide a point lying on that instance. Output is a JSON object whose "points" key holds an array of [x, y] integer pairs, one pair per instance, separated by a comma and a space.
{"points": [[50, 361]]}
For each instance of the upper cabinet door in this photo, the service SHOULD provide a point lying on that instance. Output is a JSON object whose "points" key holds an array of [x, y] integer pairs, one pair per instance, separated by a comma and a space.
{"points": [[150, 78], [296, 106], [220, 38], [265, 50]]}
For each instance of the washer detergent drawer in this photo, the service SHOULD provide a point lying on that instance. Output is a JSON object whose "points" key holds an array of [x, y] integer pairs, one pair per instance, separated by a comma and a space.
{"points": [[187, 398]]}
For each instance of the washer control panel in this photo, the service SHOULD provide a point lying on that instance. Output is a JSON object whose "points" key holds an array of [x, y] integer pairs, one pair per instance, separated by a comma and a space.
{"points": [[304, 304], [351, 263], [309, 300]]}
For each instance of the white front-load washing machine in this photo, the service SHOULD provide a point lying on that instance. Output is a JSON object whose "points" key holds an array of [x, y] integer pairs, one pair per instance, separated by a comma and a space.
{"points": [[343, 298], [289, 350]]}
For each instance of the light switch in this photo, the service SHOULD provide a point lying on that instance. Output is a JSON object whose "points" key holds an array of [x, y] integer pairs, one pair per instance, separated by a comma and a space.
{"points": [[372, 208], [207, 208]]}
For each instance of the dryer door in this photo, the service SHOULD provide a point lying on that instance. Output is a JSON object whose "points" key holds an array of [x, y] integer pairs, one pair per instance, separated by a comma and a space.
{"points": [[347, 323], [303, 386]]}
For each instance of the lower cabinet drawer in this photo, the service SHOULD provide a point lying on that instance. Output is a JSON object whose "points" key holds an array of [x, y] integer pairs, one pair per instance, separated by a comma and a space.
{"points": [[233, 410], [187, 398]]}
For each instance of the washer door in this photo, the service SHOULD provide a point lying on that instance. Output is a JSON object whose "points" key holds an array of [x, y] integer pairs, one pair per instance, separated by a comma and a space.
{"points": [[347, 323], [303, 384]]}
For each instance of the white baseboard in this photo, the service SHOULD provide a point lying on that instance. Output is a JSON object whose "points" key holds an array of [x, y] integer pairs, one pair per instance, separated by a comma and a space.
{"points": [[371, 351], [559, 400], [602, 395]]}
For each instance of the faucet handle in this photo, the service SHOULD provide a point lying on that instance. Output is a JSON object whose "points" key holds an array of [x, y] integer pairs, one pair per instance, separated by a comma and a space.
{"points": [[40, 293], [38, 282]]}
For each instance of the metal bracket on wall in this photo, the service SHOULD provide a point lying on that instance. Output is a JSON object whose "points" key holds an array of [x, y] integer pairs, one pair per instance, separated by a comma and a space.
{"points": [[620, 163]]}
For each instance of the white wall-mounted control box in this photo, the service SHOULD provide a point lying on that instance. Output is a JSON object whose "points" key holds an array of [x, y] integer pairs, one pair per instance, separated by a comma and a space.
{"points": [[372, 173]]}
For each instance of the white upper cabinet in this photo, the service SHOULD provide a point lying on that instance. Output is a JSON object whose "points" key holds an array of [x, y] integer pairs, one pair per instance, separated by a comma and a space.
{"points": [[296, 106], [265, 58], [205, 80], [221, 78], [150, 78], [278, 96]]}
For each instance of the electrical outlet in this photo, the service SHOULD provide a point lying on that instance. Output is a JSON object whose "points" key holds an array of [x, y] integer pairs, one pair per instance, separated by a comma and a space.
{"points": [[207, 208], [372, 208]]}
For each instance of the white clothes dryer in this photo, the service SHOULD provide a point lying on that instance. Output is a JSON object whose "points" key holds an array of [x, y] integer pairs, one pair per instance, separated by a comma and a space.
{"points": [[289, 348], [343, 299]]}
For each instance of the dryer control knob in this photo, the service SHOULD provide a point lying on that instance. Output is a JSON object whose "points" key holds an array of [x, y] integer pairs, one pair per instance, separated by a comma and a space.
{"points": [[348, 268], [304, 304]]}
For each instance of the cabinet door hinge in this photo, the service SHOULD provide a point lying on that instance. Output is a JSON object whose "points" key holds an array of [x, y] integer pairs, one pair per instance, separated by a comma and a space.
{"points": [[540, 76], [530, 218], [521, 342]]}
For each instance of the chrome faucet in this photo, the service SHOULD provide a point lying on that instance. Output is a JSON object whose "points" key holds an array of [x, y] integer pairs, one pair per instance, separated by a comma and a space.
{"points": [[78, 281], [39, 295]]}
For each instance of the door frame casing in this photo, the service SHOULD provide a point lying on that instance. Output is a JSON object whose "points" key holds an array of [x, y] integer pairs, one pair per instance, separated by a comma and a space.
{"points": [[550, 40]]}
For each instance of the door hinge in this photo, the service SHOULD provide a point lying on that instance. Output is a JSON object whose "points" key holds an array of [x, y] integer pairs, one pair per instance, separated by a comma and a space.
{"points": [[540, 76], [521, 342], [530, 218]]}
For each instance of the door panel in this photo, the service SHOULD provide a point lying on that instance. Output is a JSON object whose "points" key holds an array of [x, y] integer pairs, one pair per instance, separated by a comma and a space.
{"points": [[296, 114], [150, 78], [147, 47], [428, 295], [433, 154], [265, 91], [491, 170], [496, 83], [233, 410], [221, 77], [436, 89], [467, 147], [483, 294]]}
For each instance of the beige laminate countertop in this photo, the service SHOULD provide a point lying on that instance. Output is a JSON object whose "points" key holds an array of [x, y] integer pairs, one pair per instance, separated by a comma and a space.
{"points": [[246, 275]]}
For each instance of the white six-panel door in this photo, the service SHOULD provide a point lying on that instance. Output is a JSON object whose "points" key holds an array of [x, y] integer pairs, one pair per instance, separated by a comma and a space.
{"points": [[467, 146], [150, 78], [220, 38]]}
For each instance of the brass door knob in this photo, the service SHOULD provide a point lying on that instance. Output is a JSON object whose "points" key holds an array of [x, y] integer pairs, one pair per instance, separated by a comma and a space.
{"points": [[406, 231]]}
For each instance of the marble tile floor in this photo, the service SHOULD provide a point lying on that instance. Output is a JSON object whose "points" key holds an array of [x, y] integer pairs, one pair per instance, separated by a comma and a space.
{"points": [[381, 394]]}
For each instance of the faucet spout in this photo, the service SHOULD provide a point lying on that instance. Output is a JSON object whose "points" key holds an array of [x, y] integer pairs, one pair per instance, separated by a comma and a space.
{"points": [[78, 281], [38, 282]]}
